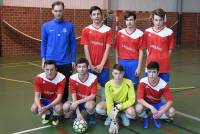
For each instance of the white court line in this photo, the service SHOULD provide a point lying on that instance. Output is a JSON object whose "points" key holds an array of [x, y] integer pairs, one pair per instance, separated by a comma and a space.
{"points": [[188, 116], [33, 64], [18, 62], [182, 87], [30, 130]]}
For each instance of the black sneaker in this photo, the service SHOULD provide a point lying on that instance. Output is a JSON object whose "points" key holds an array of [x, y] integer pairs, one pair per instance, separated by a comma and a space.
{"points": [[91, 119], [55, 120]]}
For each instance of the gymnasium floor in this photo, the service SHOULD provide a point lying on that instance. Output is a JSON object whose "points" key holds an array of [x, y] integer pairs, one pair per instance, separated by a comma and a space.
{"points": [[16, 96]]}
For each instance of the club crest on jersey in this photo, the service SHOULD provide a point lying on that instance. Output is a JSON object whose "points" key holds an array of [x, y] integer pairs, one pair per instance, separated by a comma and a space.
{"points": [[77, 84], [149, 35], [122, 36], [64, 30]]}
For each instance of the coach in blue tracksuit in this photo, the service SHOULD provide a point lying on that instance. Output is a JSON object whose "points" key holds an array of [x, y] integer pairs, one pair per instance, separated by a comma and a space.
{"points": [[58, 43]]}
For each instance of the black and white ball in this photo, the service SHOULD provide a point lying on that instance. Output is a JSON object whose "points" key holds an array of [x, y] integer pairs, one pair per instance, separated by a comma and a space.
{"points": [[80, 126]]}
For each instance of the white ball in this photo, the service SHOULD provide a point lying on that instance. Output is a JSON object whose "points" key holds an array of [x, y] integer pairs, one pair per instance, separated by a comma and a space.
{"points": [[80, 126]]}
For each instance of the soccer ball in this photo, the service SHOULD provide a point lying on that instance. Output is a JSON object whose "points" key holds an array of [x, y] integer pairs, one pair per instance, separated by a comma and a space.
{"points": [[80, 126]]}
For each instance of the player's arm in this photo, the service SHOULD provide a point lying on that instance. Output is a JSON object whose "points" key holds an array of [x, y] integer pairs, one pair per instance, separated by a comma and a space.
{"points": [[139, 63], [166, 107], [130, 99], [56, 101], [44, 38], [87, 55], [140, 98], [73, 46], [170, 52], [37, 100], [109, 100], [74, 106], [105, 56], [116, 56], [86, 99]]}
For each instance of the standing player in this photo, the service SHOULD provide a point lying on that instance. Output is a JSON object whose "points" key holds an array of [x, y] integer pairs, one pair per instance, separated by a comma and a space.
{"points": [[49, 89], [97, 40], [83, 87], [58, 43], [120, 97], [128, 48], [150, 91], [159, 41]]}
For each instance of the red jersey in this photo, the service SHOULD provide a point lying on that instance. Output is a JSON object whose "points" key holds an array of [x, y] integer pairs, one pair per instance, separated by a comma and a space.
{"points": [[128, 45], [158, 45], [49, 88], [97, 39], [83, 88], [153, 94]]}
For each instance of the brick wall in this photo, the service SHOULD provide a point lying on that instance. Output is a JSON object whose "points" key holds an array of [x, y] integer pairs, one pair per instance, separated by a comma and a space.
{"points": [[28, 20]]}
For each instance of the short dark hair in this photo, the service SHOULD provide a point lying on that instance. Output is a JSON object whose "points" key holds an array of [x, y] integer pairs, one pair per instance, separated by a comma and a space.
{"points": [[82, 60], [159, 12], [153, 65], [50, 62], [118, 67], [129, 14], [93, 8], [58, 3]]}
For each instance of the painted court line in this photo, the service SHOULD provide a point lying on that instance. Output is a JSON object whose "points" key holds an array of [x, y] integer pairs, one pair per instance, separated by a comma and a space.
{"points": [[188, 116], [13, 80], [31, 130], [14, 63], [33, 64]]}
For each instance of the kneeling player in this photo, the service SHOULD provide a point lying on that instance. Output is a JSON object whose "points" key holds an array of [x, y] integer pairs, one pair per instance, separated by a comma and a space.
{"points": [[49, 89], [150, 91], [120, 97], [83, 87]]}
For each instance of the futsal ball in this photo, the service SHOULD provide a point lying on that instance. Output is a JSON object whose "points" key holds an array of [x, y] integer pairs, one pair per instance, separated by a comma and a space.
{"points": [[80, 126]]}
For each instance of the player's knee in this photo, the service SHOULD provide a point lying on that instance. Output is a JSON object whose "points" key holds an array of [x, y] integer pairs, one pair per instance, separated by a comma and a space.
{"points": [[34, 109], [90, 105], [139, 108], [58, 109], [131, 112], [100, 109], [172, 112], [66, 106]]}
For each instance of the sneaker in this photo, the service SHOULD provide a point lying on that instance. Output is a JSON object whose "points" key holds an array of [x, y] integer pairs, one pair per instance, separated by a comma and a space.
{"points": [[156, 123], [108, 121], [145, 123], [46, 118], [91, 119], [125, 120], [55, 120]]}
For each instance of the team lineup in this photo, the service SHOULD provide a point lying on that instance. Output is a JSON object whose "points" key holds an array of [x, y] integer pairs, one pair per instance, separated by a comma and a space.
{"points": [[124, 96]]}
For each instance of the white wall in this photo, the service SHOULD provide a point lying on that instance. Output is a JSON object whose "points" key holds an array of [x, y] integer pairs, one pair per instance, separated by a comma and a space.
{"points": [[191, 5]]}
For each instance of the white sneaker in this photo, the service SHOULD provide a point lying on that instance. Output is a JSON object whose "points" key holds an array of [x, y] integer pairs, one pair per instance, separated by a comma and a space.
{"points": [[107, 121], [125, 120]]}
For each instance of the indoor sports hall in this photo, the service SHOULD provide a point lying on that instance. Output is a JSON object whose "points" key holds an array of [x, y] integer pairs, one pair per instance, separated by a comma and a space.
{"points": [[20, 60]]}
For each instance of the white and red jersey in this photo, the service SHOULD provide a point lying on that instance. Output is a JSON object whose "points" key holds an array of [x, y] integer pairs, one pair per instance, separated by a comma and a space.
{"points": [[49, 88], [153, 94], [128, 45], [97, 39], [83, 88], [158, 45]]}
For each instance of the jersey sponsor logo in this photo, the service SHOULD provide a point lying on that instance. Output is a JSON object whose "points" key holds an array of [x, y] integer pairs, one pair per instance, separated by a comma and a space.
{"points": [[156, 47], [128, 48], [152, 98], [48, 92], [51, 30], [97, 43], [81, 95], [64, 30]]}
